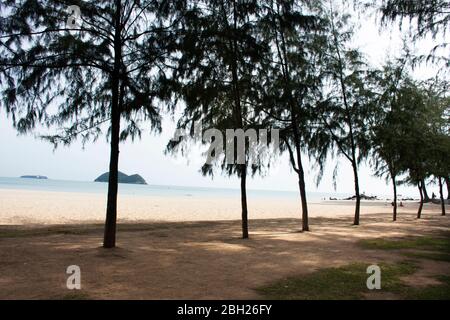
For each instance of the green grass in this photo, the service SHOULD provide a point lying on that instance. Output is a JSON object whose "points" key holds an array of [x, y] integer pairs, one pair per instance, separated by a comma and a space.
{"points": [[436, 256], [431, 248], [430, 243], [437, 292], [348, 282]]}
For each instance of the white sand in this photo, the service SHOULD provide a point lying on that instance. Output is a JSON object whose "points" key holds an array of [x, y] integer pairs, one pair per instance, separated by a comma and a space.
{"points": [[42, 207]]}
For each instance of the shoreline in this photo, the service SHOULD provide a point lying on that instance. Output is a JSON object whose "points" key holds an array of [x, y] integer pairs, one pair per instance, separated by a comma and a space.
{"points": [[22, 207]]}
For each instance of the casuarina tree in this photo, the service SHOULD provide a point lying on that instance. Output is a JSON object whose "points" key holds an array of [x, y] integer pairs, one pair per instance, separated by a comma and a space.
{"points": [[76, 65], [291, 80], [349, 98], [219, 56]]}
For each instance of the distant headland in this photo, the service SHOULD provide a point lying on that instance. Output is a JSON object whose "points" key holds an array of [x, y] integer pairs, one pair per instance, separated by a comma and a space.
{"points": [[34, 177], [122, 178]]}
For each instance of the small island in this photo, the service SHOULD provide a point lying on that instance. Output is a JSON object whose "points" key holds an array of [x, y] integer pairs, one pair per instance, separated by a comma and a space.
{"points": [[122, 178], [34, 177]]}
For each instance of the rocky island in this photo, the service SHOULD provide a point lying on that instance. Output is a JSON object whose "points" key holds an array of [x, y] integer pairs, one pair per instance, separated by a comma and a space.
{"points": [[122, 178], [34, 177]]}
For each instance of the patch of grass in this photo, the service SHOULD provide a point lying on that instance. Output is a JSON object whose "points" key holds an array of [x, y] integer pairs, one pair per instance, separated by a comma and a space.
{"points": [[38, 232], [20, 232], [436, 256], [431, 248], [431, 243], [437, 292], [347, 282]]}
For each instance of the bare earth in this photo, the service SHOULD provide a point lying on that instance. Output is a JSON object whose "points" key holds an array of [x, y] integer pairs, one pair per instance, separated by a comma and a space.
{"points": [[195, 259]]}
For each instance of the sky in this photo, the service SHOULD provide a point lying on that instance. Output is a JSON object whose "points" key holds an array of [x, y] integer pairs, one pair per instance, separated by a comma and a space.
{"points": [[24, 154]]}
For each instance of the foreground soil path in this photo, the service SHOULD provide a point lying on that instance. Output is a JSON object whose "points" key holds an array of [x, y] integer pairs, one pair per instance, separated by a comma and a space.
{"points": [[193, 260]]}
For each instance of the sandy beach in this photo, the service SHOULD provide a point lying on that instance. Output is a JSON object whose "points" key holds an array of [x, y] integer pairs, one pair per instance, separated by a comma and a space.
{"points": [[200, 260], [189, 248], [47, 207]]}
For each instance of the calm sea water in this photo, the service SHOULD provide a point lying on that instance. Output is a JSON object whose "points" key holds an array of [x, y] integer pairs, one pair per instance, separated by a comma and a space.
{"points": [[148, 190]]}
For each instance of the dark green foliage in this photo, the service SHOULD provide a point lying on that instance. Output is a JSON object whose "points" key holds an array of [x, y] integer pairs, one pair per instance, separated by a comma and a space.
{"points": [[290, 81], [432, 16], [113, 66], [410, 134], [220, 55], [59, 76], [425, 17], [348, 102]]}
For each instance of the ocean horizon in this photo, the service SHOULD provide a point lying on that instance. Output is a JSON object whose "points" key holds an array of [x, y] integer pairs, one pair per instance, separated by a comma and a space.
{"points": [[71, 186]]}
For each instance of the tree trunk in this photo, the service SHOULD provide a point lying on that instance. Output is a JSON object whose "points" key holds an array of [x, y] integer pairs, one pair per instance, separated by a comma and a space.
{"points": [[244, 202], [237, 116], [447, 182], [425, 193], [300, 172], [302, 188], [419, 212], [358, 196], [351, 134], [301, 179], [109, 240], [395, 198], [441, 192]]}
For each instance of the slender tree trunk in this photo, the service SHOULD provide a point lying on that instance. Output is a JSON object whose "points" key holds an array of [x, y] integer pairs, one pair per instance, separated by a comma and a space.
{"points": [[394, 184], [237, 115], [302, 187], [244, 202], [447, 182], [109, 240], [358, 196], [441, 192], [425, 193], [283, 56], [350, 126], [305, 222], [419, 212], [301, 178]]}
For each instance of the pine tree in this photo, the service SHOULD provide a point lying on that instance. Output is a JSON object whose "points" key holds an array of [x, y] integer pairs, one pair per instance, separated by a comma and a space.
{"points": [[219, 56], [426, 18], [349, 98], [76, 67], [291, 80]]}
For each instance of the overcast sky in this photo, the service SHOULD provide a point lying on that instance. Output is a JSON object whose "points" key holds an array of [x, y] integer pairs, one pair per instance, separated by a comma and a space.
{"points": [[26, 155]]}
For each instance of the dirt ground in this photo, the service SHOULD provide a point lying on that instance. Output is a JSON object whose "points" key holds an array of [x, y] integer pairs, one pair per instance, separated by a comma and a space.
{"points": [[195, 260]]}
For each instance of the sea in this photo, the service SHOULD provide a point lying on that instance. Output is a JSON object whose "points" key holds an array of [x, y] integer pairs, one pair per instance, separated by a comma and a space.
{"points": [[153, 190]]}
